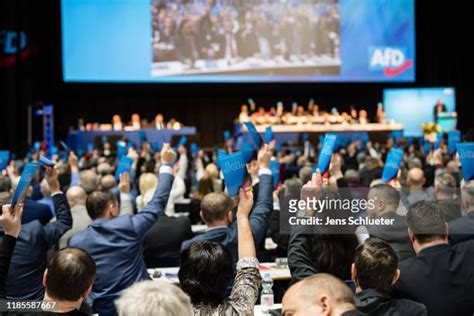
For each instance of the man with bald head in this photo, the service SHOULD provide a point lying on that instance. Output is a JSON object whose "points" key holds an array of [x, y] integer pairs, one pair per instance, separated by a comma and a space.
{"points": [[107, 182], [415, 181], [76, 197], [320, 295]]}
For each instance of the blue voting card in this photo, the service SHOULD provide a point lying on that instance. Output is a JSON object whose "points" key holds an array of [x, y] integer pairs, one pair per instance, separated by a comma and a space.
{"points": [[466, 155], [4, 159], [234, 170], [227, 135], [326, 152], [182, 141], [248, 151], [221, 153], [268, 134], [45, 162], [194, 148], [121, 148], [125, 165], [392, 165], [275, 168], [24, 183], [454, 137], [254, 134]]}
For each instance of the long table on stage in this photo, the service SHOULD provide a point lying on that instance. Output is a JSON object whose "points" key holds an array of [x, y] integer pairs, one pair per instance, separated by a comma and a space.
{"points": [[292, 133], [79, 140]]}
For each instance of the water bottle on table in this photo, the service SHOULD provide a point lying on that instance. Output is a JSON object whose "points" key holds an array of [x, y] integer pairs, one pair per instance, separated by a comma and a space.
{"points": [[266, 296]]}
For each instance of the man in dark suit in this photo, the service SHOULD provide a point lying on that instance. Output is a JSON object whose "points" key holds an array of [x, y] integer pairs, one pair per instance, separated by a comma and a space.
{"points": [[36, 211], [374, 270], [116, 243], [438, 108], [462, 228], [441, 276], [386, 203], [24, 280], [162, 243], [216, 211]]}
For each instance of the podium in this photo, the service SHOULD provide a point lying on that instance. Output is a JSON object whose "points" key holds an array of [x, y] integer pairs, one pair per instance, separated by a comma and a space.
{"points": [[447, 121]]}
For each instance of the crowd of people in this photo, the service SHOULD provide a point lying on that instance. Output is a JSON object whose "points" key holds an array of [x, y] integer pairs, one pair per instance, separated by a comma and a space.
{"points": [[312, 114], [83, 237], [188, 31], [136, 123]]}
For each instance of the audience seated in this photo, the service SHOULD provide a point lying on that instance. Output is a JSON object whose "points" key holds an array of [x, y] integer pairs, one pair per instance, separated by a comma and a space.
{"points": [[440, 276], [374, 270], [462, 228], [76, 197], [154, 298], [318, 295], [386, 203], [207, 268], [115, 243], [216, 210], [29, 258]]}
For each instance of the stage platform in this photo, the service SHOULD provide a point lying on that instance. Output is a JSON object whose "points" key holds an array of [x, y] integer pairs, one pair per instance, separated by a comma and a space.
{"points": [[293, 133], [79, 140]]}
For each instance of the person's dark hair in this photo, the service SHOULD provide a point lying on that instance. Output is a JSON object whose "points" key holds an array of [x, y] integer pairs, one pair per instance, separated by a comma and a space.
{"points": [[215, 206], [334, 254], [376, 263], [426, 221], [206, 269], [97, 203], [71, 271], [386, 193]]}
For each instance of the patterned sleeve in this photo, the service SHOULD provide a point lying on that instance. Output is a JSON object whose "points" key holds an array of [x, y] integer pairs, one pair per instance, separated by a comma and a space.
{"points": [[245, 289]]}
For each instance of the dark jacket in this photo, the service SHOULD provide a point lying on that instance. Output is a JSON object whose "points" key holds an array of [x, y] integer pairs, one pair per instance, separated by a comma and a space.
{"points": [[396, 235], [441, 277], [162, 243], [6, 252], [25, 277], [227, 236], [377, 303], [33, 210], [461, 229]]}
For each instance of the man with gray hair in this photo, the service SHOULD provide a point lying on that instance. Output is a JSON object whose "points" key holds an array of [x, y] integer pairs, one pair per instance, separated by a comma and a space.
{"points": [[89, 181], [462, 228], [76, 197], [445, 193], [154, 298]]}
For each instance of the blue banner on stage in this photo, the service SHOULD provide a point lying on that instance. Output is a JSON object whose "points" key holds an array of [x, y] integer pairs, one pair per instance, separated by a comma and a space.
{"points": [[254, 134], [327, 150], [4, 159], [454, 137], [392, 165], [234, 170], [466, 155], [24, 183]]}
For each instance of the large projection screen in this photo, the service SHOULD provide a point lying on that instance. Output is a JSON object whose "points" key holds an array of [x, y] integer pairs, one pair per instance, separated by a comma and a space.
{"points": [[238, 40]]}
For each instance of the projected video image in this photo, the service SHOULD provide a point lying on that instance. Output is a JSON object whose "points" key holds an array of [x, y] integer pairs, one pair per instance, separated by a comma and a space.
{"points": [[237, 37]]}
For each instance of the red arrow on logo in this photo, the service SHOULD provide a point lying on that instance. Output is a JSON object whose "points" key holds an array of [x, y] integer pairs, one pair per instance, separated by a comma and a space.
{"points": [[392, 72]]}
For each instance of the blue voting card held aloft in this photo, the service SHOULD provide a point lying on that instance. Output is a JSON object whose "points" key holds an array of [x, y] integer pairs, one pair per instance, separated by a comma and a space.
{"points": [[234, 170], [45, 162], [227, 135], [4, 159], [275, 168], [248, 151], [24, 183], [268, 134], [326, 152], [194, 148], [221, 153], [254, 134], [125, 165], [454, 137], [182, 141], [394, 159], [121, 148], [466, 155]]}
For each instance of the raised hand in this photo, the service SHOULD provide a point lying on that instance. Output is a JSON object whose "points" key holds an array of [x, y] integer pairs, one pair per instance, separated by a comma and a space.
{"points": [[51, 177], [264, 156], [124, 183], [168, 155], [245, 203], [312, 189], [10, 219]]}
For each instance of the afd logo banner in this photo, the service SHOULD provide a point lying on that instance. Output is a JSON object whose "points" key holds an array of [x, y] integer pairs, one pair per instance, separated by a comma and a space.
{"points": [[13, 47], [392, 61]]}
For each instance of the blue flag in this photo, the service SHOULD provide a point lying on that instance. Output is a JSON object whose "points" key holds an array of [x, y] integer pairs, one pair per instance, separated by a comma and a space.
{"points": [[454, 137], [125, 165], [268, 135], [4, 159], [275, 168], [392, 165], [326, 152], [234, 170], [254, 134], [24, 183], [466, 155]]}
